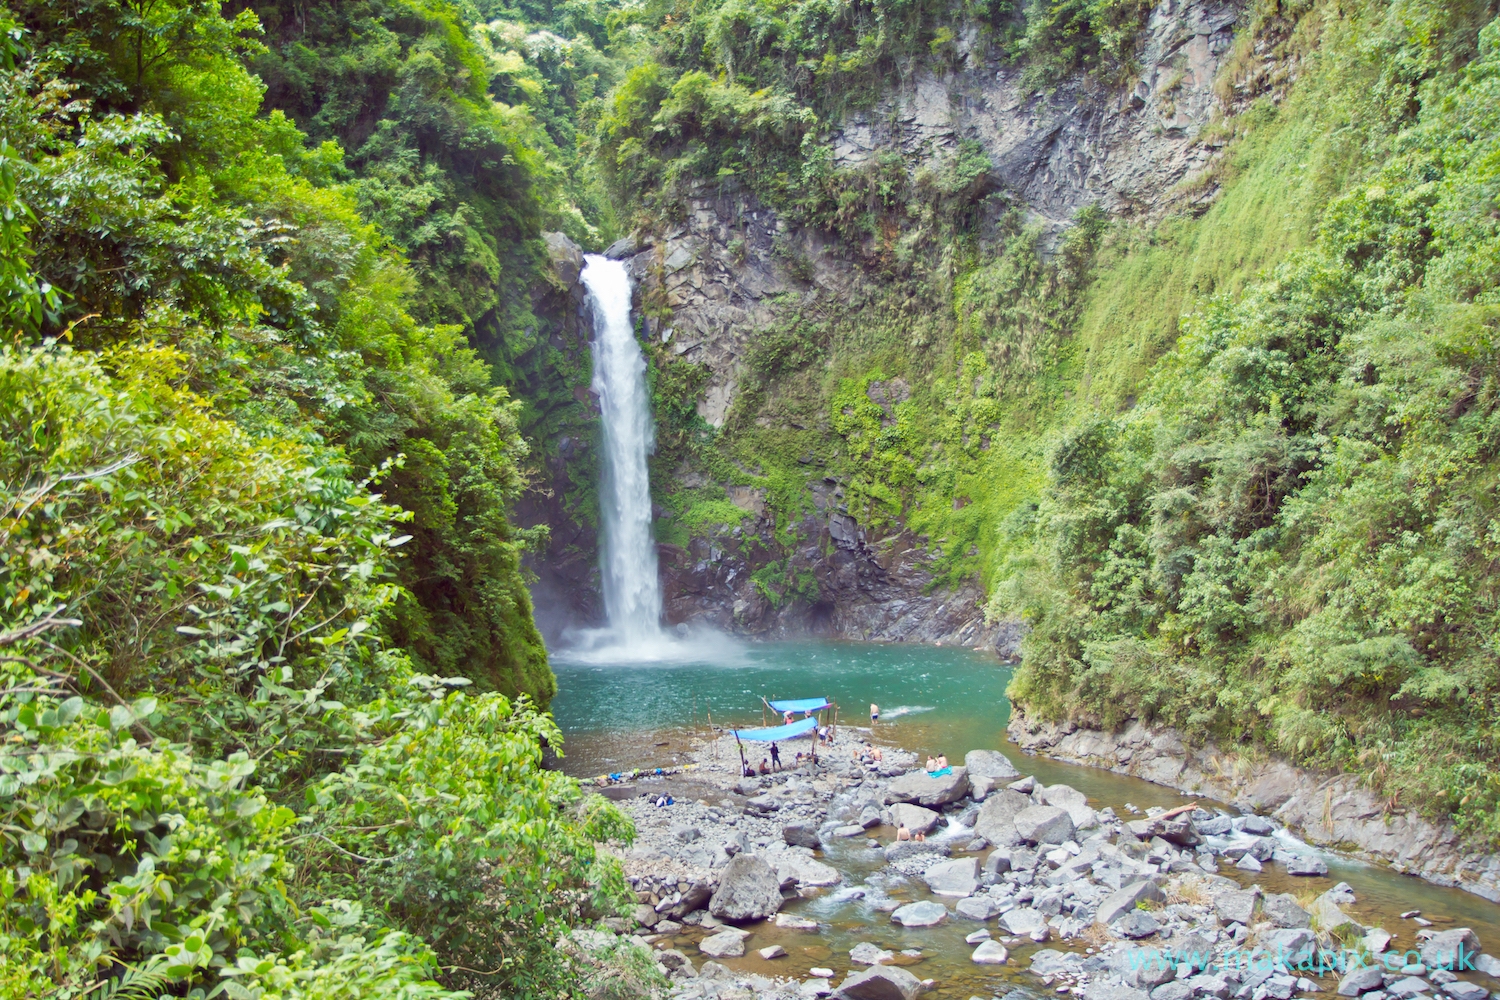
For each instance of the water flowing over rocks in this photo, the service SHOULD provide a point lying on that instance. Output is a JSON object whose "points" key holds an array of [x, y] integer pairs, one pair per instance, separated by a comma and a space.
{"points": [[1322, 809]]}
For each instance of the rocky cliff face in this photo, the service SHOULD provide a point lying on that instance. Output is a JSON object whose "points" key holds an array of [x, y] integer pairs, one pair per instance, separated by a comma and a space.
{"points": [[731, 267]]}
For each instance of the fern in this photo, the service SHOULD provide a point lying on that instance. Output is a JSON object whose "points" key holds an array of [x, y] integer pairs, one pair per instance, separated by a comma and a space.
{"points": [[144, 982]]}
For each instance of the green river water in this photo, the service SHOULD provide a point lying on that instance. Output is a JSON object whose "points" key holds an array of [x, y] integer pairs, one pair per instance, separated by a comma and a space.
{"points": [[932, 699]]}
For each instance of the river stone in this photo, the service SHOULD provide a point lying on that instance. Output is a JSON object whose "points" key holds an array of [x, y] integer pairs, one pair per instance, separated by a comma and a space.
{"points": [[1408, 987], [1135, 925], [1247, 863], [896, 850], [998, 862], [989, 764], [805, 871], [1376, 940], [1209, 986], [959, 877], [990, 953], [1331, 918], [686, 834], [793, 922], [1023, 921], [725, 944], [884, 982], [866, 953], [1361, 981], [1044, 825], [1144, 967], [801, 835], [748, 890], [1306, 864], [925, 790], [762, 803], [1236, 907], [1214, 827], [852, 830], [996, 821], [1452, 950], [1256, 826], [976, 908], [1262, 848], [1489, 965], [1291, 945], [924, 914], [914, 818], [1073, 802], [1282, 910], [1460, 990], [1122, 901], [1176, 990], [772, 951], [1107, 989]]}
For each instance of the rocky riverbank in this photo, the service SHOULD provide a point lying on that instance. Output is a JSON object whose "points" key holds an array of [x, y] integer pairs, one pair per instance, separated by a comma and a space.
{"points": [[1059, 894], [1333, 810]]}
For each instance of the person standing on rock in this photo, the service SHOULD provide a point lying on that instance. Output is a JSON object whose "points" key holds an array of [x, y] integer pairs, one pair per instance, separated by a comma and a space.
{"points": [[775, 757]]}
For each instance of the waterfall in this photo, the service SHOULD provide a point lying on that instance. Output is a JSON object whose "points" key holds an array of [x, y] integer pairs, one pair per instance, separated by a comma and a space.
{"points": [[627, 551]]}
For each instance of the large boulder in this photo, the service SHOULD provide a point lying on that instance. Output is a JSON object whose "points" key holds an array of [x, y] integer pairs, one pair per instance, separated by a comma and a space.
{"points": [[1453, 950], [725, 944], [748, 890], [924, 914], [1043, 825], [914, 818], [1125, 899], [1291, 946], [976, 907], [866, 953], [1236, 907], [925, 790], [883, 982], [1023, 921], [801, 834], [959, 877], [989, 764], [1135, 924], [1282, 910], [990, 953], [799, 869], [1074, 802], [1306, 864], [1361, 980], [996, 821]]}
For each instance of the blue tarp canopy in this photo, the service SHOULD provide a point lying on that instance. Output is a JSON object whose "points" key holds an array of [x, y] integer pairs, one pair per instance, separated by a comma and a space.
{"points": [[778, 732], [806, 705]]}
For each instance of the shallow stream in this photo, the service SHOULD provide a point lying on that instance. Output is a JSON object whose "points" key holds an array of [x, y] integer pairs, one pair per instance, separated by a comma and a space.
{"points": [[932, 699]]}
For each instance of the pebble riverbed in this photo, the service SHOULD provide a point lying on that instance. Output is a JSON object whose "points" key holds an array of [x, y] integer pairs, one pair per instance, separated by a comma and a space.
{"points": [[1052, 895]]}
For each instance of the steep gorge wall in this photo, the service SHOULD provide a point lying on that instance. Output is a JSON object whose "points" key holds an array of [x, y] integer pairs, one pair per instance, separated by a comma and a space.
{"points": [[715, 279]]}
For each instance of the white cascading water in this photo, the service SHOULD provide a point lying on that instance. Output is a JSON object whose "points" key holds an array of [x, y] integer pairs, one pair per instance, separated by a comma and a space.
{"points": [[627, 553]]}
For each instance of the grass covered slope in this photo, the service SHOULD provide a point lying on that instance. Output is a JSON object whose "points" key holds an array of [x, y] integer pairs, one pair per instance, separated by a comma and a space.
{"points": [[1289, 541]]}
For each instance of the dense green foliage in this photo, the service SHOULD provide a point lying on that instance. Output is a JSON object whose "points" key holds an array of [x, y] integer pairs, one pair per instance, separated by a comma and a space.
{"points": [[1291, 539], [269, 682]]}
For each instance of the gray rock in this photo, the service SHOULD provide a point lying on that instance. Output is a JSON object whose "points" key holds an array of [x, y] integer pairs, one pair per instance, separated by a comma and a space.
{"points": [[1306, 864], [1281, 987], [1209, 986], [899, 849], [801, 835], [1236, 907], [1460, 990], [852, 830], [686, 834], [1282, 910], [866, 953], [793, 922], [1135, 925], [976, 908], [884, 982], [1023, 921], [990, 953], [1489, 965], [925, 790], [998, 862], [989, 764], [983, 934], [762, 803], [1144, 967], [1123, 900], [959, 877], [1376, 940], [1361, 980], [915, 818], [1258, 826], [1291, 945], [802, 870], [1175, 990], [748, 890], [1453, 950], [1216, 827], [625, 246], [1332, 920], [725, 944], [1408, 987], [1105, 989], [1044, 825], [923, 914], [996, 821], [1248, 863], [772, 951]]}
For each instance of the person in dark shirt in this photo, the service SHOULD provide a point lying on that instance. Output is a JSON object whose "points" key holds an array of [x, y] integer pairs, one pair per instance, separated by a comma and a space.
{"points": [[775, 757]]}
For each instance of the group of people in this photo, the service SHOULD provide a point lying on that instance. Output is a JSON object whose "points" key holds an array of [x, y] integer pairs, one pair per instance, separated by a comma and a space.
{"points": [[938, 766], [867, 754], [773, 763]]}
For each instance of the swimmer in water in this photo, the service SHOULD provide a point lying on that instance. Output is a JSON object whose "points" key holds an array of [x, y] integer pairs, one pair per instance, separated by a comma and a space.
{"points": [[874, 713], [902, 833]]}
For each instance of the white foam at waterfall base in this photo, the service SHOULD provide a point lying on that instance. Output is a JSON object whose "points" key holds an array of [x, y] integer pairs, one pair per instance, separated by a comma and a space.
{"points": [[627, 548]]}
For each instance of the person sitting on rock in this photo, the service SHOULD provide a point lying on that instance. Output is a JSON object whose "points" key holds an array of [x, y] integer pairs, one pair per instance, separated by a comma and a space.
{"points": [[932, 764], [920, 838], [876, 753], [765, 768], [942, 761], [902, 833]]}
